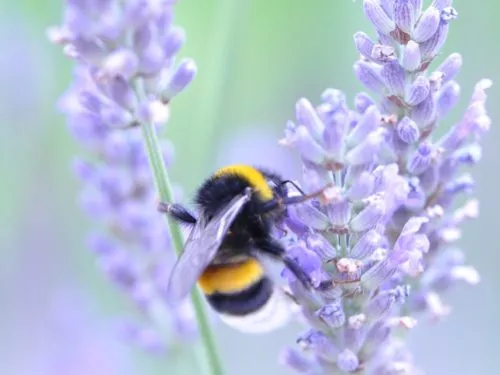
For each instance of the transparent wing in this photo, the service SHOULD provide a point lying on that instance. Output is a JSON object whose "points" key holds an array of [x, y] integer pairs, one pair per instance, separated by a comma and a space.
{"points": [[200, 248]]}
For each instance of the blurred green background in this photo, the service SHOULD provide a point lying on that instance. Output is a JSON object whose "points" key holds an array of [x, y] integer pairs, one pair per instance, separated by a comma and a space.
{"points": [[255, 58]]}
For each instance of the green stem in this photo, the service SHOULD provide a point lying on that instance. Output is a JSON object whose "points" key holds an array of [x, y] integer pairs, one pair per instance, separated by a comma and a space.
{"points": [[165, 190]]}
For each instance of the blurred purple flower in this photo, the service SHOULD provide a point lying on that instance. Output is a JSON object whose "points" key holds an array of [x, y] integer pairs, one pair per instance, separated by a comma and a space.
{"points": [[244, 144], [392, 221], [125, 75], [92, 350], [24, 63]]}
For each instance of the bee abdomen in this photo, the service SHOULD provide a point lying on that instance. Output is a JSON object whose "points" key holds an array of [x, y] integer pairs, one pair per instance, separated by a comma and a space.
{"points": [[244, 297], [268, 309], [245, 301]]}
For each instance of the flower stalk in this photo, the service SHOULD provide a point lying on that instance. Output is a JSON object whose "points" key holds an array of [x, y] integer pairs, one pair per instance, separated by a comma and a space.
{"points": [[126, 74], [212, 358]]}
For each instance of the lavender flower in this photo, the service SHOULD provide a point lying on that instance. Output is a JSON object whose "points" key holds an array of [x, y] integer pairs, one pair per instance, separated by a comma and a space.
{"points": [[73, 320], [388, 250], [125, 76]]}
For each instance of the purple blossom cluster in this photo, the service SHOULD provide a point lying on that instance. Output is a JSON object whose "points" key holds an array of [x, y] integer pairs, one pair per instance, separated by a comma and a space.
{"points": [[381, 246], [126, 74]]}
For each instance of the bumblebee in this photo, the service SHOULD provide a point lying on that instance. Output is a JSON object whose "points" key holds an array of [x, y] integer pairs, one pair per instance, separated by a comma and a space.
{"points": [[237, 205]]}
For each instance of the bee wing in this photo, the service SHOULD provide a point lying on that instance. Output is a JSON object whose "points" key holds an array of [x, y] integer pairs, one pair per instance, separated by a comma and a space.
{"points": [[200, 248]]}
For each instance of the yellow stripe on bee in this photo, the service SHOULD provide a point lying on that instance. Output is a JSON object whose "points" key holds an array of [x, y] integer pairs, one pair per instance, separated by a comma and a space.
{"points": [[230, 278], [252, 175]]}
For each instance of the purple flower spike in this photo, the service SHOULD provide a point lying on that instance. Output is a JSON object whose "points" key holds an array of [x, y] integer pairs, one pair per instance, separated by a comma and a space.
{"points": [[308, 260], [427, 25], [450, 67], [416, 6], [364, 152], [174, 41], [296, 361], [388, 7], [448, 14], [362, 102], [369, 76], [448, 98], [390, 216], [382, 53], [425, 112], [144, 338], [378, 17], [181, 78], [318, 342], [381, 305], [364, 44], [347, 361], [153, 112], [307, 116], [339, 214], [441, 4], [311, 150], [430, 48], [122, 62], [418, 92], [332, 314], [321, 247], [383, 270], [368, 123], [404, 15], [408, 131], [362, 187], [124, 78], [468, 155], [393, 75], [367, 245], [121, 93], [421, 159], [317, 220], [411, 56], [369, 216]]}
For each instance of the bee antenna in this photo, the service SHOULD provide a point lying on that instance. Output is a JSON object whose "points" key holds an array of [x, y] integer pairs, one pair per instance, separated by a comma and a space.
{"points": [[278, 202], [305, 197], [294, 185]]}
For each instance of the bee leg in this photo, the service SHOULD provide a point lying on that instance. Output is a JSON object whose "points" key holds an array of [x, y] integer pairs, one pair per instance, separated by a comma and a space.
{"points": [[177, 211], [275, 250]]}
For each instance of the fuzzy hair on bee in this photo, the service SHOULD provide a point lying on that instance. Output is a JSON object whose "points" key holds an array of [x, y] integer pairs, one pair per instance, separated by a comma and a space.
{"points": [[237, 207]]}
